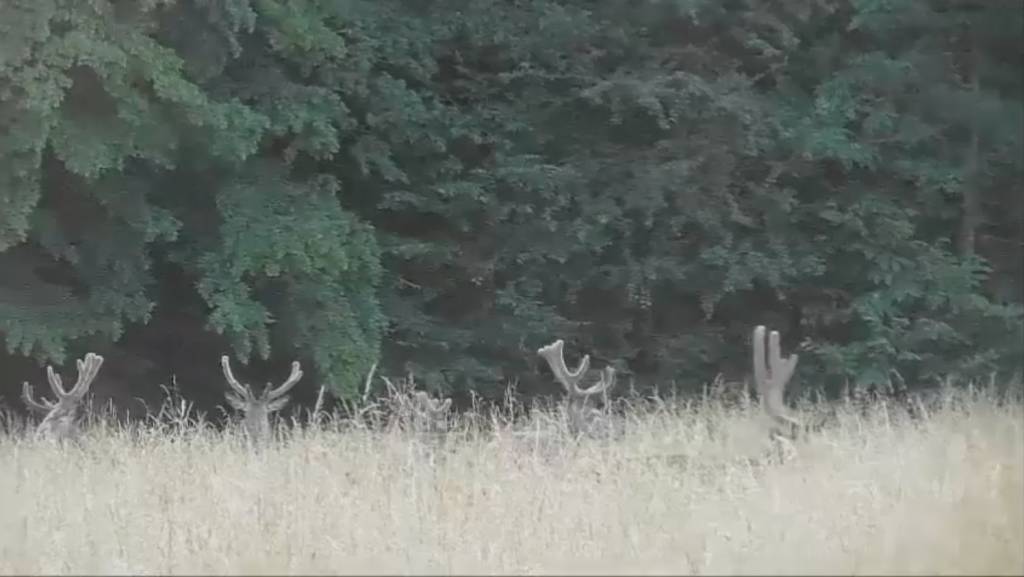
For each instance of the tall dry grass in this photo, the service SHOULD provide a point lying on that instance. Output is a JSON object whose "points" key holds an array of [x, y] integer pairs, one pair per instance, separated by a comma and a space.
{"points": [[685, 490]]}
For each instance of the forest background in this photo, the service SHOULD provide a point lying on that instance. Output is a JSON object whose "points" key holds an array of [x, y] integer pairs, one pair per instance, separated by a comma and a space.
{"points": [[445, 186]]}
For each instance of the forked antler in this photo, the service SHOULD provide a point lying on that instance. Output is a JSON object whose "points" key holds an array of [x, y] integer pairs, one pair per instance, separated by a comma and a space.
{"points": [[257, 409], [61, 415], [581, 420], [771, 374]]}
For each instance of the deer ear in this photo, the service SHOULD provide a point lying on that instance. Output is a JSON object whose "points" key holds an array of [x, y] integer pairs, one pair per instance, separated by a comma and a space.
{"points": [[277, 404], [235, 401]]}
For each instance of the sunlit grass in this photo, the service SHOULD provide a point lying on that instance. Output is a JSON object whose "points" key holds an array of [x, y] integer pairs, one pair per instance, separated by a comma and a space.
{"points": [[685, 490]]}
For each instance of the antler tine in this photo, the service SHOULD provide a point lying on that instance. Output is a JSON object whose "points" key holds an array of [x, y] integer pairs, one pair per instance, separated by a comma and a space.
{"points": [[56, 384], [554, 354], [293, 378], [87, 371], [781, 369], [242, 390], [760, 369], [26, 395], [603, 385]]}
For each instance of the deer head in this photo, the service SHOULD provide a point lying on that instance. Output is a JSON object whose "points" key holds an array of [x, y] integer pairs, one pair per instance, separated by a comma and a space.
{"points": [[581, 417], [417, 409], [257, 409], [771, 374], [429, 415], [61, 420]]}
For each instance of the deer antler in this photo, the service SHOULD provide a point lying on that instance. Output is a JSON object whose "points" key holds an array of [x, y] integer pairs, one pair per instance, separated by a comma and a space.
{"points": [[286, 386], [580, 418], [257, 409], [62, 413], [555, 356], [771, 374], [243, 394], [42, 406]]}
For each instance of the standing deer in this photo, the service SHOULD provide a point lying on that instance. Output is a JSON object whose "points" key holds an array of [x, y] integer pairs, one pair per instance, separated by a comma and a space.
{"points": [[771, 374], [582, 419], [61, 420], [257, 409]]}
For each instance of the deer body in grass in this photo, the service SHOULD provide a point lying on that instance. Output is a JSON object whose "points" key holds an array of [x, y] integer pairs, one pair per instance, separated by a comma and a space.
{"points": [[582, 417], [61, 420], [256, 409]]}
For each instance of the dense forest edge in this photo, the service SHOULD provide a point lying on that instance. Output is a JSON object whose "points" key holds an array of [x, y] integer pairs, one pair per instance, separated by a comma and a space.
{"points": [[442, 188]]}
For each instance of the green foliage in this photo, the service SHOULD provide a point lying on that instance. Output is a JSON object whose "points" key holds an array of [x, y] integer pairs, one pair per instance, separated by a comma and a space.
{"points": [[288, 246], [112, 110], [449, 186]]}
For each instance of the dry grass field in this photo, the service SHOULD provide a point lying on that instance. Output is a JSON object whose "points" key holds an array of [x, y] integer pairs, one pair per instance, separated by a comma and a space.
{"points": [[688, 489]]}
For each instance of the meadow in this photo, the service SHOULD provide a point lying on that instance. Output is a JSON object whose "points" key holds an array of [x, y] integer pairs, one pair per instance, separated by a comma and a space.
{"points": [[688, 488]]}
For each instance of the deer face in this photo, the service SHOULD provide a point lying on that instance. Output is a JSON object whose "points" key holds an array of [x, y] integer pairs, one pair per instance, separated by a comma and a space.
{"points": [[258, 408]]}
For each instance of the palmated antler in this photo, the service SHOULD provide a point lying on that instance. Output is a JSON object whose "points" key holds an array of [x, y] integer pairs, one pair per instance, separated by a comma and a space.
{"points": [[61, 415], [580, 419], [257, 408], [555, 356], [771, 374]]}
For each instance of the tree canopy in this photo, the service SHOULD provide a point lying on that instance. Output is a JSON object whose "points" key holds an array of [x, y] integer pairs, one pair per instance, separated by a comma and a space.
{"points": [[447, 186]]}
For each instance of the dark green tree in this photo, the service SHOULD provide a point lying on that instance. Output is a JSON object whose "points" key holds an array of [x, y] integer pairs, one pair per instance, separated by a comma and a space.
{"points": [[132, 134], [448, 186]]}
